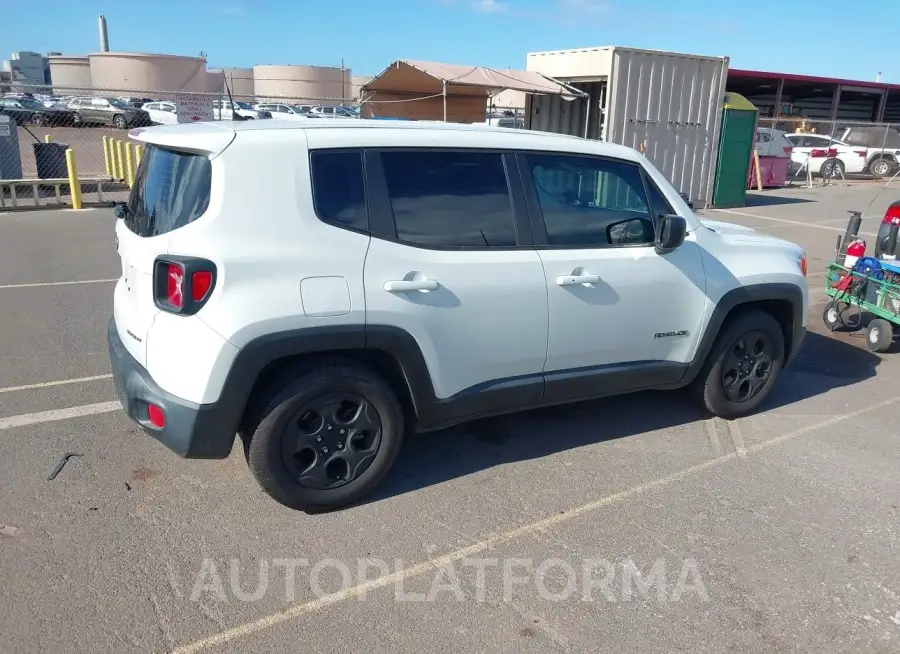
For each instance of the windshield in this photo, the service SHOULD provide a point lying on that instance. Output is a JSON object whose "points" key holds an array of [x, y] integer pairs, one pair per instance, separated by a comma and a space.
{"points": [[115, 102], [243, 105]]}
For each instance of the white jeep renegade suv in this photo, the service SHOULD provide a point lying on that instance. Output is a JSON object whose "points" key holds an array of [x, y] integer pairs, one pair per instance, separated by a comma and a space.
{"points": [[324, 288]]}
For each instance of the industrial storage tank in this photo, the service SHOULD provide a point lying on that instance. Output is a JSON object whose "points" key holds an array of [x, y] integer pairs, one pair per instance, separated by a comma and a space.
{"points": [[303, 84], [356, 84], [158, 75], [240, 82], [69, 75]]}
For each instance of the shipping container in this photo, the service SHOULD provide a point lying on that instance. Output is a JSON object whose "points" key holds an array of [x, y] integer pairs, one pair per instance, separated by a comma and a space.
{"points": [[667, 105]]}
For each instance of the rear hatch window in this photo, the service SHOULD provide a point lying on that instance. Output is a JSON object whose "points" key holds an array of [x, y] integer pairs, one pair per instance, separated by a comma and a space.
{"points": [[171, 190]]}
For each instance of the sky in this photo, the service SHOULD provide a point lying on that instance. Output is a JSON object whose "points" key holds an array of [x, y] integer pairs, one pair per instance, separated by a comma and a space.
{"points": [[822, 38]]}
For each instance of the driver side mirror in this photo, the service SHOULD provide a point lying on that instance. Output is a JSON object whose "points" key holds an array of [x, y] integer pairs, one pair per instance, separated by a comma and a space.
{"points": [[120, 209], [671, 233]]}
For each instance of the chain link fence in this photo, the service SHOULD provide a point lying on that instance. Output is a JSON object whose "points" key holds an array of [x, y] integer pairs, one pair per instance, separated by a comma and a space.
{"points": [[857, 149], [54, 138]]}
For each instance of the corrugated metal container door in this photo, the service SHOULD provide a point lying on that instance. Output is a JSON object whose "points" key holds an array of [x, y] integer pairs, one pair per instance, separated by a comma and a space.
{"points": [[668, 106], [551, 113]]}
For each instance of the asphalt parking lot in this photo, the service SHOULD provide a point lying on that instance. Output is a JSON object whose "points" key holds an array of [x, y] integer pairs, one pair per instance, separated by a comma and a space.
{"points": [[633, 524]]}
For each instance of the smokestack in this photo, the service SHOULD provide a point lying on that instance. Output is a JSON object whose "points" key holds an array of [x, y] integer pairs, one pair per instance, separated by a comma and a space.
{"points": [[104, 35], [878, 77]]}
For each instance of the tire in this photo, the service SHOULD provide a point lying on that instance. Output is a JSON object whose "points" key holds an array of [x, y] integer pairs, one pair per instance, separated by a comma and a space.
{"points": [[879, 335], [37, 120], [118, 121], [77, 121], [292, 411], [832, 169], [881, 167], [833, 316], [760, 370]]}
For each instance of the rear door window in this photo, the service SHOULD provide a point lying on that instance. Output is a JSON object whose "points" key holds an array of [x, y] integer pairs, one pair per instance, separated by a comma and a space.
{"points": [[171, 190]]}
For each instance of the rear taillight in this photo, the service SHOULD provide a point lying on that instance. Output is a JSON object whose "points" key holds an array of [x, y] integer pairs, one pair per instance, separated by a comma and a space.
{"points": [[818, 154], [787, 149], [861, 153], [892, 215], [182, 285]]}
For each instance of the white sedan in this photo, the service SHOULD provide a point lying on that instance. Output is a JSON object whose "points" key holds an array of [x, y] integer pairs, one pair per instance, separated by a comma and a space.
{"points": [[825, 156], [161, 113], [283, 111]]}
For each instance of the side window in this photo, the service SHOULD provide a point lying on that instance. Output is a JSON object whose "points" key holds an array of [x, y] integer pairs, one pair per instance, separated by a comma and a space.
{"points": [[450, 198], [658, 202], [591, 202], [339, 191]]}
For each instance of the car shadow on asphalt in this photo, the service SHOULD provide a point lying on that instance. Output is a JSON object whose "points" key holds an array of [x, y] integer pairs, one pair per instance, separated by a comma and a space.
{"points": [[824, 363], [769, 199]]}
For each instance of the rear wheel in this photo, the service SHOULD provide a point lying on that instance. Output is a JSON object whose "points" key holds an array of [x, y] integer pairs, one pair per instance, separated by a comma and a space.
{"points": [[880, 335], [37, 120], [77, 120], [119, 121], [742, 366], [881, 167], [326, 437]]}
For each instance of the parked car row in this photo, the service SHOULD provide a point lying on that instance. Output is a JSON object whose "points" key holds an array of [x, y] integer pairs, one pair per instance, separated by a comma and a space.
{"points": [[859, 150]]}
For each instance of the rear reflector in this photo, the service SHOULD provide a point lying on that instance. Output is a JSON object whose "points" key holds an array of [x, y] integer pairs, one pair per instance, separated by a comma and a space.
{"points": [[201, 282], [156, 416]]}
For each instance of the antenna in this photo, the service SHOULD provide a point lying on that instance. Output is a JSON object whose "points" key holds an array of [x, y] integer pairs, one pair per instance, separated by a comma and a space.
{"points": [[234, 114]]}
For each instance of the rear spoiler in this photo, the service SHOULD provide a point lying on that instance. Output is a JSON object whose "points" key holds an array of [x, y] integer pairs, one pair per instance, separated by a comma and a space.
{"points": [[200, 138]]}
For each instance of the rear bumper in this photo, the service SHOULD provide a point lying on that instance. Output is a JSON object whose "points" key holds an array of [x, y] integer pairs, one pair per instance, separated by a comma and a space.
{"points": [[193, 431]]}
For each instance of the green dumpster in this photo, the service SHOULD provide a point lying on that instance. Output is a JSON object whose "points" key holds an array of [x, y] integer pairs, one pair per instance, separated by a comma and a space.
{"points": [[735, 151]]}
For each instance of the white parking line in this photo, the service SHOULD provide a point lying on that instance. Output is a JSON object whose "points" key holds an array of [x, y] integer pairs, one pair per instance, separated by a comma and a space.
{"points": [[81, 281], [60, 382], [59, 414], [438, 563], [798, 223]]}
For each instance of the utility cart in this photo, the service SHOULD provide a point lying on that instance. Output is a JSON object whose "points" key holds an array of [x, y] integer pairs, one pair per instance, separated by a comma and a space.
{"points": [[858, 284], [872, 288]]}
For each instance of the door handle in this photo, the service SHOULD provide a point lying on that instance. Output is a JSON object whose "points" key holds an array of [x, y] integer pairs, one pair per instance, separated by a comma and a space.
{"points": [[405, 286], [575, 280]]}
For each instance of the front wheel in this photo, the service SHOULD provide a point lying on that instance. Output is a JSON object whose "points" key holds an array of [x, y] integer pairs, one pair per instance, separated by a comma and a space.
{"points": [[37, 120], [832, 169], [327, 436], [77, 121], [119, 121], [742, 366]]}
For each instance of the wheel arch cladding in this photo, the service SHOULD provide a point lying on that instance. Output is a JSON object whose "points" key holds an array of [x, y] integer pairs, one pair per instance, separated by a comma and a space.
{"points": [[390, 352], [782, 301]]}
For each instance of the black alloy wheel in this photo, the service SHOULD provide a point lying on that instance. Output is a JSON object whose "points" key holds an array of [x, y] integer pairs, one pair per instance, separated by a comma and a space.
{"points": [[747, 366], [331, 440]]}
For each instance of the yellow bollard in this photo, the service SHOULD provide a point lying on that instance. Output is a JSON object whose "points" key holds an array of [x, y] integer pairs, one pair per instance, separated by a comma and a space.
{"points": [[47, 138], [138, 153], [107, 158], [129, 165], [74, 184], [120, 160]]}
